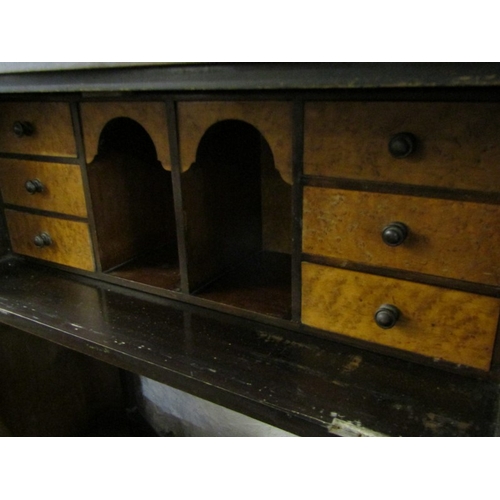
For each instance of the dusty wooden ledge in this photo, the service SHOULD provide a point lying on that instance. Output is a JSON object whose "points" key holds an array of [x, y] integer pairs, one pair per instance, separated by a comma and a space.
{"points": [[302, 384], [244, 76]]}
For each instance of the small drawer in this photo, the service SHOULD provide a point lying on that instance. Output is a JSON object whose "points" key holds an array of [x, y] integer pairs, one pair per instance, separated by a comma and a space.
{"points": [[451, 325], [37, 128], [56, 240], [455, 144], [446, 238], [54, 187]]}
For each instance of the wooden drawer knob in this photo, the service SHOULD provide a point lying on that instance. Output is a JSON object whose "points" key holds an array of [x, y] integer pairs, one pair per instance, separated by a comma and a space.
{"points": [[387, 316], [394, 234], [34, 186], [42, 240], [22, 129], [402, 145]]}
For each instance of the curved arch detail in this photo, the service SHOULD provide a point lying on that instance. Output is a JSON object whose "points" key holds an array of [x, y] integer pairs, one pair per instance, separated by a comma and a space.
{"points": [[127, 136], [272, 119], [150, 115]]}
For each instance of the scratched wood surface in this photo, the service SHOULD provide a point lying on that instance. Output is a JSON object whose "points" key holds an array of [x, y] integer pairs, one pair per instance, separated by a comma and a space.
{"points": [[53, 129], [150, 115], [71, 245], [458, 143], [272, 119], [296, 382], [446, 238], [62, 186], [446, 324]]}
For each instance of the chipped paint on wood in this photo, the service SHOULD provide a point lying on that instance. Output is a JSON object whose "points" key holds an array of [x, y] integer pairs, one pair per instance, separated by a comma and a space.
{"points": [[435, 423], [346, 428], [353, 364]]}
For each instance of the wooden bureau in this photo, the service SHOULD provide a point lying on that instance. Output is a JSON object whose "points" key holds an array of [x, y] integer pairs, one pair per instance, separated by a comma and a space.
{"points": [[363, 219]]}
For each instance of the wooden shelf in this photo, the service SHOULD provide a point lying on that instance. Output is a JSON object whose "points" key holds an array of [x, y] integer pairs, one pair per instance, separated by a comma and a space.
{"points": [[158, 268], [300, 383], [261, 284]]}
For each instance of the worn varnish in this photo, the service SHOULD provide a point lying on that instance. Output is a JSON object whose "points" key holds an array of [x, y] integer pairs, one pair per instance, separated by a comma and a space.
{"points": [[53, 129], [444, 324], [71, 245], [152, 116], [447, 238], [457, 143], [232, 185], [62, 186], [296, 382]]}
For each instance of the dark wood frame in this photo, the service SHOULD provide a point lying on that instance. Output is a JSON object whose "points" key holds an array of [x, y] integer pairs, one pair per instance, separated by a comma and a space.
{"points": [[309, 381]]}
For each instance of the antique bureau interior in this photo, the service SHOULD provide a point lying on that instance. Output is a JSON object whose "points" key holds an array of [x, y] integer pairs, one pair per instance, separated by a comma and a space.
{"points": [[270, 208]]}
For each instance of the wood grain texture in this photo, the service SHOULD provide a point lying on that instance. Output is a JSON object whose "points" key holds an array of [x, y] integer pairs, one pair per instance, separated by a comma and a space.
{"points": [[133, 208], [53, 134], [272, 119], [150, 115], [458, 144], [62, 186], [71, 245], [276, 211], [446, 238], [447, 324]]}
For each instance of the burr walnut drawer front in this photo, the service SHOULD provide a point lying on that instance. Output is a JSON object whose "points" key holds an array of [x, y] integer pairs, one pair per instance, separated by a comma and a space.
{"points": [[56, 240], [37, 129], [446, 238], [54, 187], [449, 145], [451, 325]]}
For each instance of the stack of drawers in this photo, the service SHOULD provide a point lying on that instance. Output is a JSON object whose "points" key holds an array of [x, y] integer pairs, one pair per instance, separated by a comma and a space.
{"points": [[401, 245], [41, 184], [401, 204]]}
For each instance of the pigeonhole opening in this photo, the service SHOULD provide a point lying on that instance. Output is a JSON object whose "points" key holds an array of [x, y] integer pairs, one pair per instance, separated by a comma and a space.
{"points": [[132, 200], [238, 221]]}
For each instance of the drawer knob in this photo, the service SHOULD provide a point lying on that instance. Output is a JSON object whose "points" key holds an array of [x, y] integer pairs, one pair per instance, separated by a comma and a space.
{"points": [[394, 234], [34, 186], [42, 240], [22, 129], [402, 145], [387, 316]]}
